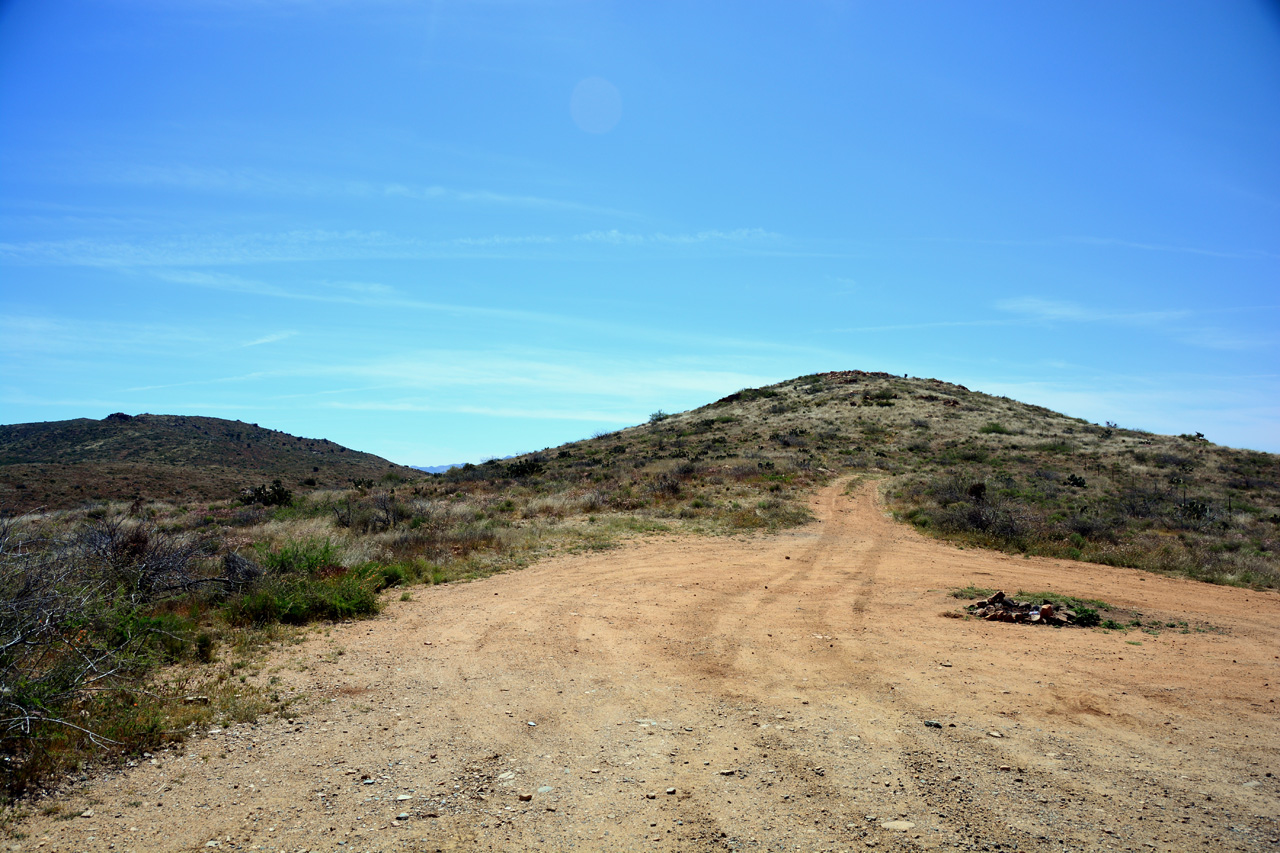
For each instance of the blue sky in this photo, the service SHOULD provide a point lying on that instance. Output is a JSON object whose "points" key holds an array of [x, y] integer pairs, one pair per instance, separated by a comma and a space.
{"points": [[446, 231]]}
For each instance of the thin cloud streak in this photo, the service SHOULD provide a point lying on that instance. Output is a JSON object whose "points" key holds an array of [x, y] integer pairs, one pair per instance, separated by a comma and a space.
{"points": [[1054, 310], [270, 339], [255, 182], [533, 414], [320, 244]]}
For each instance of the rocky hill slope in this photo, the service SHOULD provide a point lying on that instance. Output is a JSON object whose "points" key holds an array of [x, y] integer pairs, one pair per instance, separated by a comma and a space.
{"points": [[965, 465]]}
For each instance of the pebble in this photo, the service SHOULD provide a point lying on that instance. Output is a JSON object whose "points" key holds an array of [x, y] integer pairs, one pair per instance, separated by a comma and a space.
{"points": [[933, 724], [994, 733], [403, 797], [402, 816], [671, 790], [545, 789], [900, 825], [727, 772], [524, 798]]}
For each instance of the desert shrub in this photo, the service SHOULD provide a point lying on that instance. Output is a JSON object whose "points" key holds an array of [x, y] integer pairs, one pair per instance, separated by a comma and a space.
{"points": [[273, 495], [308, 557], [664, 486], [524, 468], [297, 601], [392, 575], [79, 620], [1087, 617], [995, 428], [991, 519], [135, 558]]}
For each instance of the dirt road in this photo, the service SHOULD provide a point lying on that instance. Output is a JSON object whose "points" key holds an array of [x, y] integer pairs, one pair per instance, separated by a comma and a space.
{"points": [[750, 693]]}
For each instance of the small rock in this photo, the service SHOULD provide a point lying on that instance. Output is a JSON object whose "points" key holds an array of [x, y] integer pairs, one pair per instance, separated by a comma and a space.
{"points": [[532, 723], [727, 772], [900, 825], [933, 724], [195, 700], [524, 798], [87, 813], [403, 797], [1253, 784], [1004, 768], [651, 796], [545, 789], [402, 816], [671, 790], [994, 733]]}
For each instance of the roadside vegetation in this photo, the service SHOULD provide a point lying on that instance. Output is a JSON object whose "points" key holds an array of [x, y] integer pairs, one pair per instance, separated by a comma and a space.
{"points": [[127, 625]]}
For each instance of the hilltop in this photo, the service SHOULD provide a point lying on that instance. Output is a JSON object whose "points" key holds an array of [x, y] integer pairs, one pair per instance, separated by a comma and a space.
{"points": [[961, 464], [60, 464]]}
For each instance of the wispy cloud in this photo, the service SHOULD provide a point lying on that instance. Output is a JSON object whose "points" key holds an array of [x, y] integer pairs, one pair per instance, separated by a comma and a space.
{"points": [[1180, 324], [1035, 308], [269, 339], [319, 244], [258, 182], [1104, 242], [569, 414], [1247, 254]]}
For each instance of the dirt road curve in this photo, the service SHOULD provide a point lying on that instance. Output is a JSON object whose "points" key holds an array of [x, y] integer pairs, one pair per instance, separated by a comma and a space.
{"points": [[754, 693]]}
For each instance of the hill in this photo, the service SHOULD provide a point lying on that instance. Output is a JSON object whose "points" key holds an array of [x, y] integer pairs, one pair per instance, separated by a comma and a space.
{"points": [[961, 464], [60, 464]]}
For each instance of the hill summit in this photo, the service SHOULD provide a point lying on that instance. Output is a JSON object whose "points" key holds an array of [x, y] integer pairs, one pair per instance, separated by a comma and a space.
{"points": [[58, 464]]}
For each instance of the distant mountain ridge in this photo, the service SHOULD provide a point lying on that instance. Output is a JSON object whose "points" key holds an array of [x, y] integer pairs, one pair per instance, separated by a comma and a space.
{"points": [[437, 469], [169, 457]]}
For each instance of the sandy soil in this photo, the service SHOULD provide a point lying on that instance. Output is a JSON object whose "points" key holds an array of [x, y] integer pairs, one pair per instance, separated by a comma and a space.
{"points": [[749, 693]]}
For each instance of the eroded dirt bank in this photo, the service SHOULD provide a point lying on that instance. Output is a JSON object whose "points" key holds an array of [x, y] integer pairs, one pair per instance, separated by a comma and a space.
{"points": [[761, 693]]}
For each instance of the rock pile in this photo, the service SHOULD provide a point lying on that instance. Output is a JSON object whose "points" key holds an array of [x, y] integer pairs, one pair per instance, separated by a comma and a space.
{"points": [[1001, 608]]}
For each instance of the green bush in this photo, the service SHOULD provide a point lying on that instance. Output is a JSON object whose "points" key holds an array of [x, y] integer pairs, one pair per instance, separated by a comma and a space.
{"points": [[306, 557], [297, 601], [1087, 617]]}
